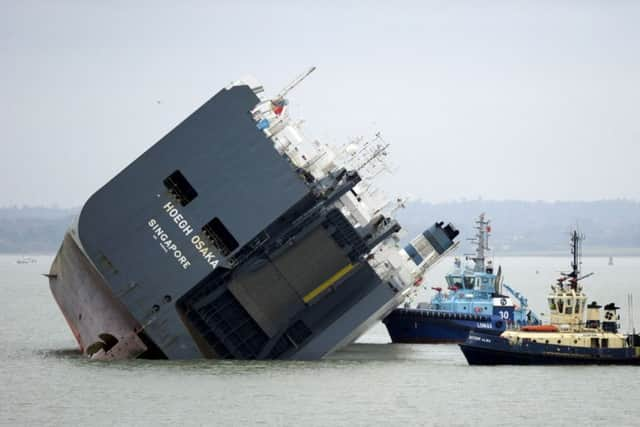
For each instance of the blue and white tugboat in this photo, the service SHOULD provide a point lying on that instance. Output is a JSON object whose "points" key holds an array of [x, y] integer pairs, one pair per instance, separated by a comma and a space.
{"points": [[474, 300], [568, 339]]}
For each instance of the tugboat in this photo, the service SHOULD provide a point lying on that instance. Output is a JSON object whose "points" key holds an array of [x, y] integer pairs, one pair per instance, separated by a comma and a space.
{"points": [[567, 340], [474, 301]]}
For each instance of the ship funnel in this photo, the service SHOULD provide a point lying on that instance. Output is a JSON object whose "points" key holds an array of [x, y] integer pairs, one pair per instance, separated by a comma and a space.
{"points": [[427, 247], [611, 317], [593, 315]]}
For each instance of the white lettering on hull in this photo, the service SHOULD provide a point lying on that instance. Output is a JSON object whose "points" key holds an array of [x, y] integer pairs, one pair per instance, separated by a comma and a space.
{"points": [[484, 325], [167, 244], [208, 255], [170, 246], [177, 217]]}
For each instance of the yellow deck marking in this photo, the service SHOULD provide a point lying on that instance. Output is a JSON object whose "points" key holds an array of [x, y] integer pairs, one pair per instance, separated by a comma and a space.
{"points": [[330, 281]]}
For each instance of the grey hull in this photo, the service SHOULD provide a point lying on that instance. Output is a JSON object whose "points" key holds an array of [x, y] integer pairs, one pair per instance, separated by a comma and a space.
{"points": [[211, 244]]}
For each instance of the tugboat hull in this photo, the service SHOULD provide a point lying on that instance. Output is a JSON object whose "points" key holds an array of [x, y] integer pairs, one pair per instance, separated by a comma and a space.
{"points": [[482, 349], [434, 327]]}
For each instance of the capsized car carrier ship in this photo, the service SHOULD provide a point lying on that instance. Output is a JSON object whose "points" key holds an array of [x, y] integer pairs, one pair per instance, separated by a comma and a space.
{"points": [[234, 236]]}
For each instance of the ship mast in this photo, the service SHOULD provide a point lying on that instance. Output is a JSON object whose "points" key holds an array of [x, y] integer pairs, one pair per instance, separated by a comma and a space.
{"points": [[576, 254], [576, 262], [294, 83], [481, 240]]}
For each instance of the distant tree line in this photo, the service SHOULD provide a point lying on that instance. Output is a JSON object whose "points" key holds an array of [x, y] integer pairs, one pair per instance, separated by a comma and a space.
{"points": [[518, 227], [33, 229]]}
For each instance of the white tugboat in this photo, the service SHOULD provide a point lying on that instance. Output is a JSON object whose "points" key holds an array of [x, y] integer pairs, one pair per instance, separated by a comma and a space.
{"points": [[568, 339]]}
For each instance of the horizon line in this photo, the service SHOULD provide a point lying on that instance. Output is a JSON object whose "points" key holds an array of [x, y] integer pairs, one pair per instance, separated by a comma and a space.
{"points": [[410, 200]]}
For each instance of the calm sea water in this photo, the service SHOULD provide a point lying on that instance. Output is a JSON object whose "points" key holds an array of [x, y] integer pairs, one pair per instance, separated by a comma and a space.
{"points": [[44, 381]]}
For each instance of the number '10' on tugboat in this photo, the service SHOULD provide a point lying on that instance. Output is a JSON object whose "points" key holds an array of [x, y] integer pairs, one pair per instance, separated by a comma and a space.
{"points": [[475, 300]]}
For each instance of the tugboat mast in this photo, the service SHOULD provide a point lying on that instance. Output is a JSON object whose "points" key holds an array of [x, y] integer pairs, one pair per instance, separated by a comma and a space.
{"points": [[576, 261], [482, 243], [576, 254]]}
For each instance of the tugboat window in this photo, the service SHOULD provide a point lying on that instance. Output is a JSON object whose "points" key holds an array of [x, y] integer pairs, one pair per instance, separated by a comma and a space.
{"points": [[569, 310], [552, 304], [455, 281], [468, 282], [604, 343], [560, 305]]}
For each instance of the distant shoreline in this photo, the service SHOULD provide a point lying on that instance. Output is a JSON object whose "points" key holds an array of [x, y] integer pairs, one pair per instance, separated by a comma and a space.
{"points": [[595, 253], [592, 253], [519, 228]]}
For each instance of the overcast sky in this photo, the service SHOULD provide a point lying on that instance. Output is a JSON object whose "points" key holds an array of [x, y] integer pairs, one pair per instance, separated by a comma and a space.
{"points": [[533, 100]]}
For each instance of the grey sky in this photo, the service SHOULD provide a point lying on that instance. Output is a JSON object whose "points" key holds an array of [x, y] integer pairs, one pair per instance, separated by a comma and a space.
{"points": [[515, 99]]}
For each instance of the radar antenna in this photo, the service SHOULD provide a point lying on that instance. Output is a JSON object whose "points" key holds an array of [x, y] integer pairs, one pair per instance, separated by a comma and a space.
{"points": [[371, 155], [573, 277], [369, 158], [633, 326]]}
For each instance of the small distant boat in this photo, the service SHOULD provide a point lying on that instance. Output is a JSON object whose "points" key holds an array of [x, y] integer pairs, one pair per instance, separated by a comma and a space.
{"points": [[568, 340], [610, 260], [26, 260]]}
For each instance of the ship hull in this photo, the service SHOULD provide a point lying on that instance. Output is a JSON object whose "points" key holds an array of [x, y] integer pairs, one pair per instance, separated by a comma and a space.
{"points": [[101, 325], [215, 244], [211, 245], [359, 319], [105, 329], [482, 349], [435, 327]]}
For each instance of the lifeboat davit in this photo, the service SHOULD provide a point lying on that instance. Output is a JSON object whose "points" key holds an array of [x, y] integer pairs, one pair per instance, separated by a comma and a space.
{"points": [[540, 328]]}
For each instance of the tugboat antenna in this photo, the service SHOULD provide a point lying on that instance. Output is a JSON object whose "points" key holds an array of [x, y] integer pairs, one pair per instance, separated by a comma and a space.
{"points": [[576, 253], [576, 261], [482, 241], [630, 308]]}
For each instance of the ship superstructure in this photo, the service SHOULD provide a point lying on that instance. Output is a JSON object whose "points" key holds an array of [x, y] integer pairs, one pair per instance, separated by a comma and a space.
{"points": [[568, 338], [475, 299], [235, 236]]}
